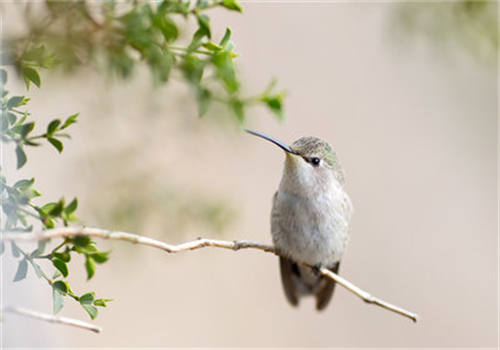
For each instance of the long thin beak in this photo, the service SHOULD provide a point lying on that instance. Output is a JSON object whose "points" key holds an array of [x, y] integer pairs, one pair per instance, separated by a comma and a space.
{"points": [[278, 143]]}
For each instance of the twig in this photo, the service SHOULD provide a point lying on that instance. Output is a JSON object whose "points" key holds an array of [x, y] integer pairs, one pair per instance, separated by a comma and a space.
{"points": [[64, 232], [52, 318]]}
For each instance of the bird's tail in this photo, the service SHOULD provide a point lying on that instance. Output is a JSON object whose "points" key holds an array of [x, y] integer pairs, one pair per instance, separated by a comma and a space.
{"points": [[299, 281]]}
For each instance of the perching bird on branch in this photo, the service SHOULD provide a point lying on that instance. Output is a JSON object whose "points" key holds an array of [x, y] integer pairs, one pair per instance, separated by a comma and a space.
{"points": [[310, 217]]}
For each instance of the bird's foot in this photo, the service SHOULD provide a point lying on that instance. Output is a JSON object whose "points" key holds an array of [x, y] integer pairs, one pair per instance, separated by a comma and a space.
{"points": [[316, 269]]}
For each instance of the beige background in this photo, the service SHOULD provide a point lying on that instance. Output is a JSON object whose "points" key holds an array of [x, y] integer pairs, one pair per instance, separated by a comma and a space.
{"points": [[415, 130]]}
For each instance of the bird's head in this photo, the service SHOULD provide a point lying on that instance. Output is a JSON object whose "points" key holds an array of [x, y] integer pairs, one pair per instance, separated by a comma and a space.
{"points": [[310, 166]]}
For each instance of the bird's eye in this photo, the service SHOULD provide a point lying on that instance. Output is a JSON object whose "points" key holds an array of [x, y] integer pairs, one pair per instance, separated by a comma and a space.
{"points": [[315, 161]]}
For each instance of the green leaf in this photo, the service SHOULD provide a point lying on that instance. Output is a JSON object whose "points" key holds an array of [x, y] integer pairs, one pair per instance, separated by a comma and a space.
{"points": [[212, 46], [100, 257], [11, 117], [23, 185], [53, 208], [70, 120], [237, 106], [87, 250], [56, 143], [48, 222], [82, 241], [275, 103], [26, 129], [223, 61], [91, 310], [232, 5], [87, 298], [64, 256], [16, 252], [52, 127], [203, 97], [2, 247], [14, 101], [21, 157], [193, 68], [167, 27], [22, 270], [31, 74], [71, 206], [204, 25], [225, 39], [61, 286], [90, 267], [102, 302], [60, 265], [57, 300]]}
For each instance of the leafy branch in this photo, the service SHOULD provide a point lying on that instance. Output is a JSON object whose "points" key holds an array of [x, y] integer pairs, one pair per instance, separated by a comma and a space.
{"points": [[117, 37], [71, 232]]}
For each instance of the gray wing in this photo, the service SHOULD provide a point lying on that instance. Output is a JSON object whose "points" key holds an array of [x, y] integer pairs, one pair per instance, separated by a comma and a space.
{"points": [[325, 292], [287, 268]]}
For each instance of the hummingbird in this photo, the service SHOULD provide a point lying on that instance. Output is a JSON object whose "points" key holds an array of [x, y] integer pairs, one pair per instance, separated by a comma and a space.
{"points": [[309, 218]]}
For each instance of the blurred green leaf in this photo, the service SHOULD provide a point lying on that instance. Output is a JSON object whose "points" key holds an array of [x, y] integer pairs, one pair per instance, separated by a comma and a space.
{"points": [[71, 206], [52, 127], [24, 184], [89, 267], [237, 106], [225, 39], [232, 5], [102, 302], [203, 97], [91, 310], [193, 68], [31, 74], [223, 61], [22, 270], [64, 256], [87, 298], [57, 300], [275, 103], [70, 120], [14, 101], [100, 257], [56, 143], [61, 286], [204, 23], [61, 266], [26, 129], [82, 241], [20, 156]]}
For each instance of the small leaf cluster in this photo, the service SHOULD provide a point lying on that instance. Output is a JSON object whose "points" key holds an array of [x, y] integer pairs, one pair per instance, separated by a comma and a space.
{"points": [[60, 259], [118, 38], [15, 127], [84, 246]]}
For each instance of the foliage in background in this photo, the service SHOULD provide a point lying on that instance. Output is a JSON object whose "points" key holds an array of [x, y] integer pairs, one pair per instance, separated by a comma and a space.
{"points": [[472, 25], [114, 37]]}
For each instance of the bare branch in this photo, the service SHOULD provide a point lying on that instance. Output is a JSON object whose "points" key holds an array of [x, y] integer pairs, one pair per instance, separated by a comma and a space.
{"points": [[52, 318], [193, 245]]}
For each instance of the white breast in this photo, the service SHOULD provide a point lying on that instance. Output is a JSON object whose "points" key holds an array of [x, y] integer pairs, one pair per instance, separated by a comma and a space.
{"points": [[312, 229]]}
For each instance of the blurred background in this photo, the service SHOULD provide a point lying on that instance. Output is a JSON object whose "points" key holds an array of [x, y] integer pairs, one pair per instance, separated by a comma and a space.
{"points": [[407, 96]]}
